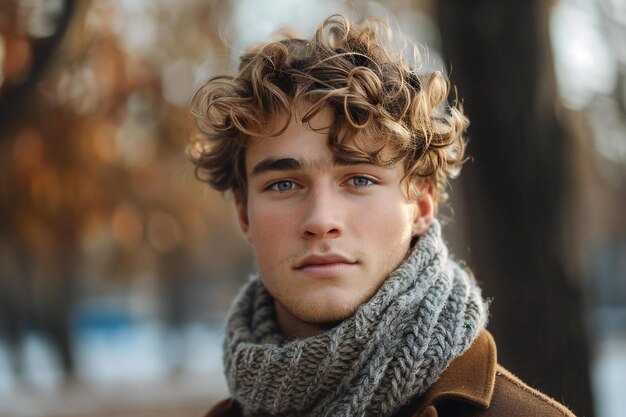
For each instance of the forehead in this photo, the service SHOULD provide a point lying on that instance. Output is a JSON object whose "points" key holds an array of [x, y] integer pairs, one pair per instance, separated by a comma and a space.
{"points": [[308, 143], [305, 142]]}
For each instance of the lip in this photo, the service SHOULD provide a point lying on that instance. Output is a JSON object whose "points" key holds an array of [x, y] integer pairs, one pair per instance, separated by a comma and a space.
{"points": [[324, 266], [323, 260]]}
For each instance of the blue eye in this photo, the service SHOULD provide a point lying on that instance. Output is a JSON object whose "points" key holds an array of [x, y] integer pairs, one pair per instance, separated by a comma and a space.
{"points": [[361, 181], [283, 186]]}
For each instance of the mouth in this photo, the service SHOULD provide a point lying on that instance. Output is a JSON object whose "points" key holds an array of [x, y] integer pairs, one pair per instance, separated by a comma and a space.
{"points": [[324, 265]]}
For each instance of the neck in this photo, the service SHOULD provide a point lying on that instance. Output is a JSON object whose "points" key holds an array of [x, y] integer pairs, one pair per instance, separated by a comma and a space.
{"points": [[293, 328]]}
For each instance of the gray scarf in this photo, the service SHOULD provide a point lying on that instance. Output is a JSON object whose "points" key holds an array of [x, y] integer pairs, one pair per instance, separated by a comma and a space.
{"points": [[392, 348]]}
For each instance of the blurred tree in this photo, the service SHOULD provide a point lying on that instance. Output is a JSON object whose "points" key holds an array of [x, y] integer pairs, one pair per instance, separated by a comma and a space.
{"points": [[514, 191], [97, 196], [26, 57], [26, 305]]}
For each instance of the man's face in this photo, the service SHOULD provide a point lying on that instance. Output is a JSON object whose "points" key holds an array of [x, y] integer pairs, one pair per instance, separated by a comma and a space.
{"points": [[325, 234]]}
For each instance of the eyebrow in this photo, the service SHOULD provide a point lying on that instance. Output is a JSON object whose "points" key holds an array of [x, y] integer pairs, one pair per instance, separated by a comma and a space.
{"points": [[289, 164], [275, 164]]}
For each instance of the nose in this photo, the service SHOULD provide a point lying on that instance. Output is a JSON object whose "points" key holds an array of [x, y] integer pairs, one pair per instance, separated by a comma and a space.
{"points": [[322, 214]]}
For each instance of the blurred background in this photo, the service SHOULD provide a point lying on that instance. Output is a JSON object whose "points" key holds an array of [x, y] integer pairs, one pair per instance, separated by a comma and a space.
{"points": [[117, 266]]}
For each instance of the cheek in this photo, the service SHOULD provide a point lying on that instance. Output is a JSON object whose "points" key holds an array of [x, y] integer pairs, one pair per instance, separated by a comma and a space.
{"points": [[391, 222], [268, 227], [388, 237]]}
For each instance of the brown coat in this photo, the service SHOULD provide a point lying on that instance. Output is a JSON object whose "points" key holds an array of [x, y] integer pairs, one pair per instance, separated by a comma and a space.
{"points": [[473, 385]]}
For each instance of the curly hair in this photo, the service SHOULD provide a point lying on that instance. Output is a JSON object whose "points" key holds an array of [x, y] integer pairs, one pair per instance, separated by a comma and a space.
{"points": [[379, 103]]}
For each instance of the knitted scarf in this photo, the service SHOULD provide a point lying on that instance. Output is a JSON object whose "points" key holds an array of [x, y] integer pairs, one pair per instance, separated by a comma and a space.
{"points": [[394, 346]]}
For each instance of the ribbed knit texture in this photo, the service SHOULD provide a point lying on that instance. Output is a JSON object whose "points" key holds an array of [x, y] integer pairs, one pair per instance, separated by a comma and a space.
{"points": [[392, 348]]}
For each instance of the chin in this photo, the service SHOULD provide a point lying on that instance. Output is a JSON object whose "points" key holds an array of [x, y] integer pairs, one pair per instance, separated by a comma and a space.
{"points": [[326, 316], [330, 309]]}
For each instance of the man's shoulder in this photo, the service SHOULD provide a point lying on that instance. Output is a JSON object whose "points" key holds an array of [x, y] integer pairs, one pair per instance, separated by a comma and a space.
{"points": [[512, 397], [476, 385]]}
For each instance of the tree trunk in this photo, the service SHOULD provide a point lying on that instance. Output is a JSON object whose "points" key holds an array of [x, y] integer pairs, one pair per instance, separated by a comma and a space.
{"points": [[514, 191]]}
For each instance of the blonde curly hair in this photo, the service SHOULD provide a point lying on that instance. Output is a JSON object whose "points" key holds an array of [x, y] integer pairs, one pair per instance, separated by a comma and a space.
{"points": [[379, 103]]}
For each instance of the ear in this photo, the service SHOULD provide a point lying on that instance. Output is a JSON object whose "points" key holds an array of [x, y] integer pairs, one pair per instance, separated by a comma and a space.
{"points": [[425, 209], [242, 216]]}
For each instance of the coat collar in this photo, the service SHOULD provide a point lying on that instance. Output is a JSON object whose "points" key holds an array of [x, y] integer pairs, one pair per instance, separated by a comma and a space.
{"points": [[470, 377]]}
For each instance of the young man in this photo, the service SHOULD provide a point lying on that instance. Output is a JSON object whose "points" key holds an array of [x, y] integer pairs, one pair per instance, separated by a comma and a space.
{"points": [[337, 153]]}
